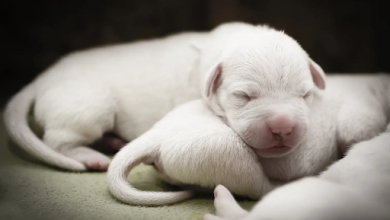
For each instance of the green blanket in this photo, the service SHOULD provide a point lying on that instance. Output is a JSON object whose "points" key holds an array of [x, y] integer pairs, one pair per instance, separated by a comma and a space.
{"points": [[30, 190]]}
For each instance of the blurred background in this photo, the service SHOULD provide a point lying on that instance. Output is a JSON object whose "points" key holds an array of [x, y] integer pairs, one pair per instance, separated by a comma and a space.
{"points": [[341, 36]]}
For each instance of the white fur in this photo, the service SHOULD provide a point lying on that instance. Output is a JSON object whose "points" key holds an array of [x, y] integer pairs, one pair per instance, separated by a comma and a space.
{"points": [[365, 106], [260, 83], [123, 88], [356, 187], [127, 88], [352, 109], [189, 146]]}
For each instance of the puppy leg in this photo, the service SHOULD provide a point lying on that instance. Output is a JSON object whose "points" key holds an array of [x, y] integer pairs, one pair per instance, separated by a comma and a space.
{"points": [[358, 122], [91, 158], [225, 204], [82, 114], [74, 146]]}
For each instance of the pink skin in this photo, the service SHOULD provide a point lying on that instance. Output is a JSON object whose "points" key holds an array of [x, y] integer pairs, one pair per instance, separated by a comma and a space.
{"points": [[98, 166], [276, 137], [108, 144], [114, 142], [262, 101]]}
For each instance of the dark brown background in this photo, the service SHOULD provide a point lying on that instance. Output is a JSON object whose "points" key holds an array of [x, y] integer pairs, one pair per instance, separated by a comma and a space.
{"points": [[342, 36]]}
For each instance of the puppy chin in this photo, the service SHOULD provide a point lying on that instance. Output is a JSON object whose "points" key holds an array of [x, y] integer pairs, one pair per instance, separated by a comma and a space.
{"points": [[285, 148], [273, 152], [270, 148]]}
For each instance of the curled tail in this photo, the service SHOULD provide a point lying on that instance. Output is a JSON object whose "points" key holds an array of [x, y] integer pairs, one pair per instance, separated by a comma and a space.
{"points": [[126, 159], [15, 120]]}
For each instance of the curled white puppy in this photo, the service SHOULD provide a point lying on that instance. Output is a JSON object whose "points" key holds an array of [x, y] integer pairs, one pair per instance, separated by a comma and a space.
{"points": [[356, 187], [262, 86], [193, 146], [186, 146], [258, 79], [359, 108], [189, 146], [261, 83], [124, 89]]}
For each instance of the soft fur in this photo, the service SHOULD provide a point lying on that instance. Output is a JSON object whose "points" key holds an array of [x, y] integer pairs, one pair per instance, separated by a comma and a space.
{"points": [[124, 89], [261, 83], [127, 88], [359, 108], [189, 146], [193, 146], [356, 187]]}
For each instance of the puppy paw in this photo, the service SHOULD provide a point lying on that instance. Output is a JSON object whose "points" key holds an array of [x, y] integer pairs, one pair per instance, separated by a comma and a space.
{"points": [[225, 204], [92, 159], [99, 164], [221, 193]]}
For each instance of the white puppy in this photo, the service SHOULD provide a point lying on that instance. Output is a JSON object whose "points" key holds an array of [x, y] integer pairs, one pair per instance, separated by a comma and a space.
{"points": [[189, 146], [359, 108], [193, 146], [262, 85], [124, 89], [356, 187], [258, 79]]}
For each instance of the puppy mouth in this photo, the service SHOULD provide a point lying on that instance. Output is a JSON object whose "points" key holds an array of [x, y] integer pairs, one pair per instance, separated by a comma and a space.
{"points": [[279, 146], [275, 151]]}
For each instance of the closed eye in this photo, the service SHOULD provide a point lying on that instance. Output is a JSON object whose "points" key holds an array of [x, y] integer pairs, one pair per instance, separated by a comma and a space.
{"points": [[242, 95]]}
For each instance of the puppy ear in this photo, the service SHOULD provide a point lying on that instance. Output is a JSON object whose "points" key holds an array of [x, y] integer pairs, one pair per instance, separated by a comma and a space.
{"points": [[318, 74], [211, 78]]}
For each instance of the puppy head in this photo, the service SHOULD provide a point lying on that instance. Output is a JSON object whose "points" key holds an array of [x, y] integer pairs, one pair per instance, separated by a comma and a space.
{"points": [[262, 87]]}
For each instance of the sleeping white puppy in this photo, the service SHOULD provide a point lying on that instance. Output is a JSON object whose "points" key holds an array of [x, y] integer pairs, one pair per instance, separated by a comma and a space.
{"points": [[357, 105], [192, 146], [263, 84], [356, 187], [189, 146], [123, 89], [258, 79]]}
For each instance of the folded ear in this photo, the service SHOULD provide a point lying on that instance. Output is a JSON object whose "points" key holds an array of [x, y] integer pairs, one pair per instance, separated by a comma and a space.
{"points": [[318, 74], [211, 78]]}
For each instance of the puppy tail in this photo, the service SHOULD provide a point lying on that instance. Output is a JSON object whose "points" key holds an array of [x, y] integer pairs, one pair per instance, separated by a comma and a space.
{"points": [[16, 123], [138, 151]]}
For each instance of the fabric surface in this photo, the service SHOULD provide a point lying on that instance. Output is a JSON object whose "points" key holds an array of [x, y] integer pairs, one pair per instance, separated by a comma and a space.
{"points": [[30, 190]]}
